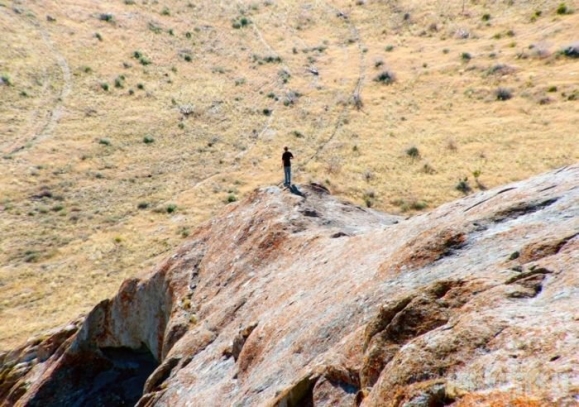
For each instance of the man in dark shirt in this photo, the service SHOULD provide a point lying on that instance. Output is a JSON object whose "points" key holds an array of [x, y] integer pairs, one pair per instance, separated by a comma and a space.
{"points": [[286, 158]]}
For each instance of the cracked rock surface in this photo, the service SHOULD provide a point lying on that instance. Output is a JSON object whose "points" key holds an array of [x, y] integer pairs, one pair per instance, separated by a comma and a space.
{"points": [[305, 300]]}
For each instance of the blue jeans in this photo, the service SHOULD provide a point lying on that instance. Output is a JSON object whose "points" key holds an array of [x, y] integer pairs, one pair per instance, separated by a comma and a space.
{"points": [[288, 175]]}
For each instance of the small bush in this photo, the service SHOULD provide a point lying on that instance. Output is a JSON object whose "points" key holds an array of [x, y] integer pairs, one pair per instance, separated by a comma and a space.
{"points": [[119, 81], [5, 80], [231, 198], [188, 35], [563, 9], [171, 208], [187, 58], [166, 12], [140, 86], [385, 77], [413, 152], [503, 94], [267, 112], [143, 205], [105, 86], [105, 142], [241, 22], [106, 17], [148, 139], [486, 17], [98, 36], [389, 48], [465, 56], [463, 186]]}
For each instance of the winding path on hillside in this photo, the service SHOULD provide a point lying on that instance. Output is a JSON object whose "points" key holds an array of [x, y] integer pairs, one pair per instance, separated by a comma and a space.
{"points": [[56, 110]]}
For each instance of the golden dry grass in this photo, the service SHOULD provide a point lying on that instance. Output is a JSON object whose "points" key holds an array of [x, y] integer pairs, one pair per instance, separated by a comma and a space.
{"points": [[62, 132]]}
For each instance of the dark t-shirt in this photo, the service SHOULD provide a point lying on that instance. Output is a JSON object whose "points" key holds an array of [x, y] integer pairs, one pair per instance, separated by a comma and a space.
{"points": [[286, 159]]}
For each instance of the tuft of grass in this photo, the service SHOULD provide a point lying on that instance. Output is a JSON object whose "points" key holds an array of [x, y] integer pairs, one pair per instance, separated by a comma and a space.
{"points": [[5, 80], [109, 18], [503, 94]]}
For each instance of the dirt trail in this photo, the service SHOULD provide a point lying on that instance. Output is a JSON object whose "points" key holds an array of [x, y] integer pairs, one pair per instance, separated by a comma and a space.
{"points": [[56, 110]]}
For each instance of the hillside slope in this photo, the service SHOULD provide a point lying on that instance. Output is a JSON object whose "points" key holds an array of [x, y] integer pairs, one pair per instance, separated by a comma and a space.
{"points": [[289, 300]]}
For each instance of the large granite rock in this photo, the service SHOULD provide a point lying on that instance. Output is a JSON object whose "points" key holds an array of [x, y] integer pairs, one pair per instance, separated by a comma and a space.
{"points": [[302, 300]]}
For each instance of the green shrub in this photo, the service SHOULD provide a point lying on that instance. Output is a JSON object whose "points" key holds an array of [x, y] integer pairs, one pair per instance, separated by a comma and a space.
{"points": [[267, 112], [98, 36], [166, 12], [105, 142], [385, 77], [486, 17], [563, 9], [105, 86], [463, 186], [140, 86], [143, 205], [231, 198], [465, 56], [171, 208], [106, 17], [148, 139], [413, 152]]}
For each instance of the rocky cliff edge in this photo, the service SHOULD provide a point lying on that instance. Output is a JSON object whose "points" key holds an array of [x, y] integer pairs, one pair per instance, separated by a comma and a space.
{"points": [[303, 300]]}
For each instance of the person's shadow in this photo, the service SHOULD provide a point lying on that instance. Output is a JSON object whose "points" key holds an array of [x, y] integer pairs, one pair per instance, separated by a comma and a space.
{"points": [[294, 190]]}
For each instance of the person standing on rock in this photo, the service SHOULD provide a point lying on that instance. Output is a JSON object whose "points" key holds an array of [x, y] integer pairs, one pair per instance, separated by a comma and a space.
{"points": [[286, 158]]}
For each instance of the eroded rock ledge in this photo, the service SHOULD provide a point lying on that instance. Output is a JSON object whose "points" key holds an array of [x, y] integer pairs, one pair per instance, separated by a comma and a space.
{"points": [[288, 300]]}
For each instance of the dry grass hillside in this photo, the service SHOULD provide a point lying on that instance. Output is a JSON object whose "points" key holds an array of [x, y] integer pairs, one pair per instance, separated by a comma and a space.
{"points": [[126, 123]]}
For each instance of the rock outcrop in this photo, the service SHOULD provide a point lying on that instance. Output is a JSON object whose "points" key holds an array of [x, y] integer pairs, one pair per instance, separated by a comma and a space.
{"points": [[289, 300]]}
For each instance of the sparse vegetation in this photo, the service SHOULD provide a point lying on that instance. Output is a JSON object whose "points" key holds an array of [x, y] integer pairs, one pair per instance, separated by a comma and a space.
{"points": [[413, 152], [503, 94], [106, 17], [463, 186], [386, 77], [562, 9]]}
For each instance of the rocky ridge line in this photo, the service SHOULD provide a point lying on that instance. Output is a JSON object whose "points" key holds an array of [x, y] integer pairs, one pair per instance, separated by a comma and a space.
{"points": [[289, 300]]}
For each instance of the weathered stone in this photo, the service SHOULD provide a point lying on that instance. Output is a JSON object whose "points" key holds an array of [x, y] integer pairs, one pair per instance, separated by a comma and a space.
{"points": [[431, 310]]}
